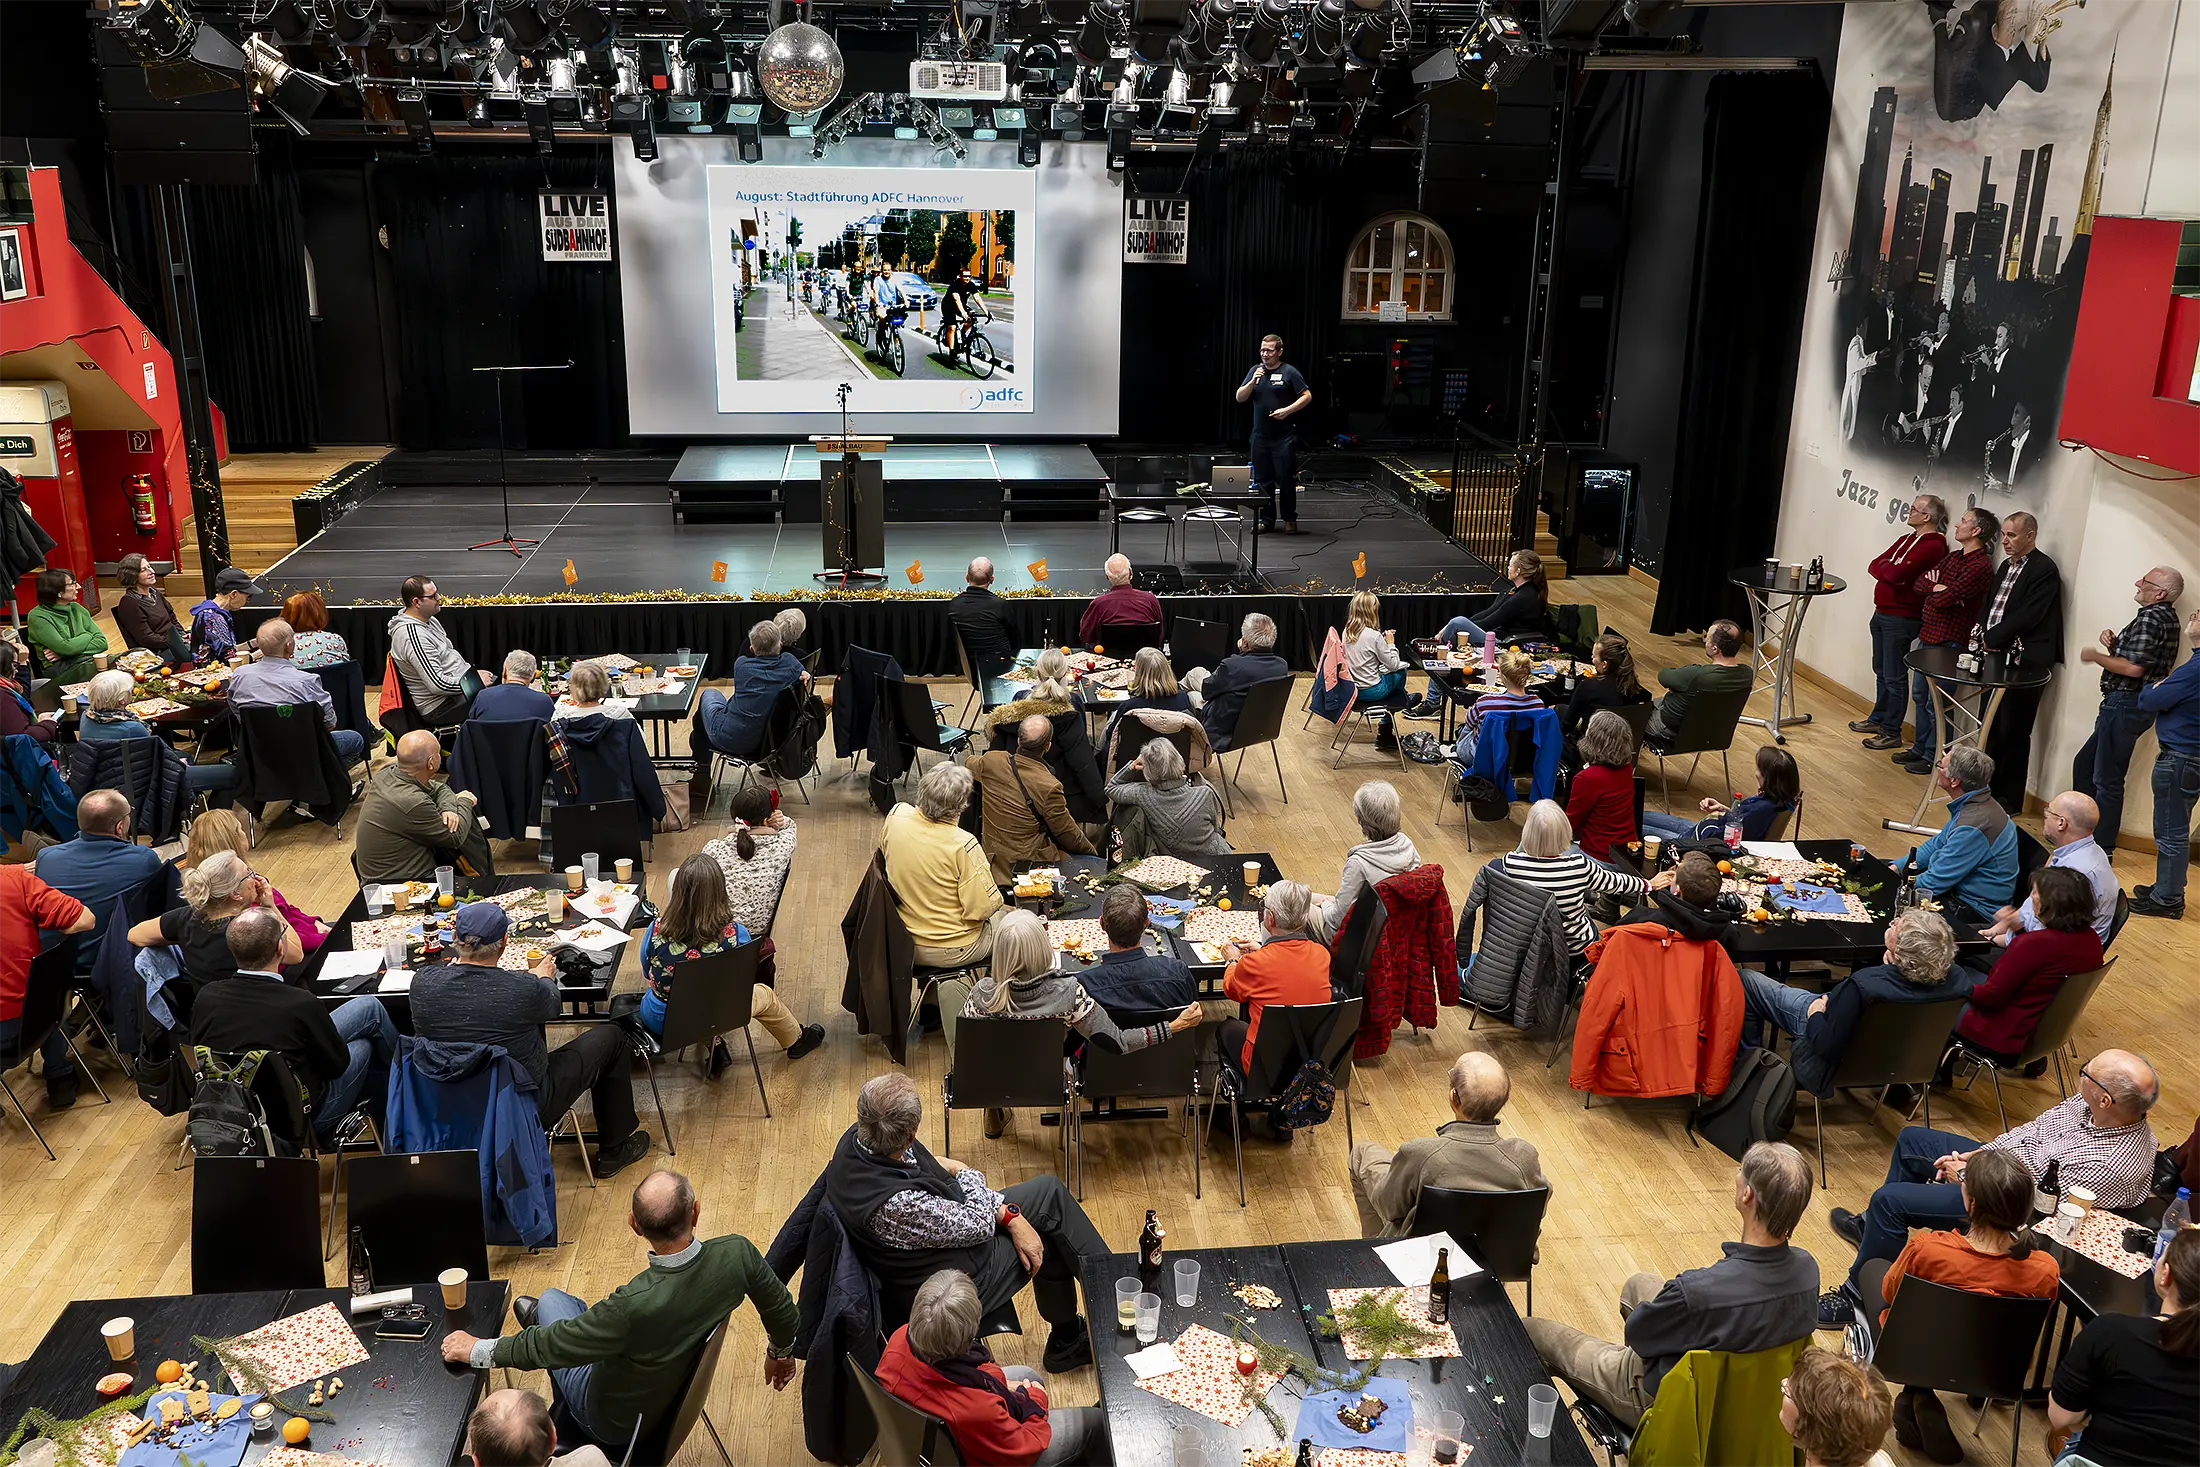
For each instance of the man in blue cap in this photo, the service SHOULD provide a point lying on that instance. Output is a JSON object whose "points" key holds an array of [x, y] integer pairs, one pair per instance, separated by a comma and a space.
{"points": [[475, 1001]]}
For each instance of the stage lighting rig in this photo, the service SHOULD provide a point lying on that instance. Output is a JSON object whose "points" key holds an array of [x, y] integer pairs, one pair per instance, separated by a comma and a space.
{"points": [[289, 93], [1206, 34], [748, 131], [1264, 37], [182, 57], [521, 23], [412, 106], [536, 109], [1106, 23], [1494, 51]]}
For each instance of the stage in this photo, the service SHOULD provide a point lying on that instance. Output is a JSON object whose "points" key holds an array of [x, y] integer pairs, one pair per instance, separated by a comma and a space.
{"points": [[754, 482]]}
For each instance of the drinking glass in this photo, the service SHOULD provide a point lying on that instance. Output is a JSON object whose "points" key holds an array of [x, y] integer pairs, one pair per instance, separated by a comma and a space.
{"points": [[1149, 1318], [1542, 1409], [378, 900], [1187, 1283], [446, 880], [687, 657], [1445, 1428], [590, 861], [1188, 1451], [1126, 1303], [393, 953]]}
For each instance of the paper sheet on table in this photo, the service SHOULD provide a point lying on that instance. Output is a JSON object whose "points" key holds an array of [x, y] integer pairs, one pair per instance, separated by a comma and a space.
{"points": [[1773, 850], [594, 937], [606, 902], [396, 980], [1412, 1260], [1155, 1360], [339, 966]]}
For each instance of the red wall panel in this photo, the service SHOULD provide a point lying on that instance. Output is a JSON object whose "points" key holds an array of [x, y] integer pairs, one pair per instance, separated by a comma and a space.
{"points": [[2132, 361]]}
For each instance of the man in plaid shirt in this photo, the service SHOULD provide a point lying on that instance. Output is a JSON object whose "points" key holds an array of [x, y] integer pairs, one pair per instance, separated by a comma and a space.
{"points": [[2141, 653], [2099, 1139]]}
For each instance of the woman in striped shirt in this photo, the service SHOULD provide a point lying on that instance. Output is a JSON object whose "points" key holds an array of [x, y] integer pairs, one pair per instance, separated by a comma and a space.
{"points": [[1514, 668], [1549, 860]]}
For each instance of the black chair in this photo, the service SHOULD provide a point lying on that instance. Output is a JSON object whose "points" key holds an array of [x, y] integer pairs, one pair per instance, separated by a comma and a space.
{"points": [[1160, 1072], [1259, 721], [1128, 746], [1637, 716], [1371, 715], [1894, 1044], [905, 1435], [715, 995], [1154, 514], [2117, 918], [918, 720], [284, 757], [779, 724], [347, 690], [1519, 765], [1707, 727], [1194, 643], [1500, 1229], [662, 1442], [610, 828], [1353, 946], [2050, 1037], [255, 1224], [420, 1213], [1127, 639], [1786, 824], [1291, 1035], [406, 716], [1953, 1340], [2032, 856], [504, 762], [45, 997], [1009, 1064], [977, 673]]}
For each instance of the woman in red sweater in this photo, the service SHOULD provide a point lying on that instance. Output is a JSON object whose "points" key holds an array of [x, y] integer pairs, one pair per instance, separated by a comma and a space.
{"points": [[2006, 1005], [937, 1363], [1601, 803]]}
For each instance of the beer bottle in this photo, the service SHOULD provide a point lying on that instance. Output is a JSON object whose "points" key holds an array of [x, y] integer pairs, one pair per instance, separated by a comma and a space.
{"points": [[1439, 1289], [361, 1266], [2047, 1192], [1149, 1253]]}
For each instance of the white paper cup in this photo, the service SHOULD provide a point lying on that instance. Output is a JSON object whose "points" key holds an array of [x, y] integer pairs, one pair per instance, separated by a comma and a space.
{"points": [[1652, 847], [120, 1333], [453, 1284], [572, 878], [624, 866], [1252, 874], [2067, 1217], [2082, 1196]]}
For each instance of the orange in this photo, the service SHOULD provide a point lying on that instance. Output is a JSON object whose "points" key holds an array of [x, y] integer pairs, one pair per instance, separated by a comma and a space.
{"points": [[296, 1429], [170, 1372], [1097, 649], [1726, 868], [1223, 905]]}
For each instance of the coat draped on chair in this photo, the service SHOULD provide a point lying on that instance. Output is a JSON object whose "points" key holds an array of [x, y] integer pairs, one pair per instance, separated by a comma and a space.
{"points": [[1413, 970]]}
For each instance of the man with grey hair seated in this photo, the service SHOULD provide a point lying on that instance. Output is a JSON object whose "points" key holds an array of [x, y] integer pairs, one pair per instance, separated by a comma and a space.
{"points": [[1027, 816], [1466, 1152], [1973, 857], [1122, 604], [1385, 852], [937, 1363], [276, 681], [911, 1214], [1759, 1295], [737, 725], [1220, 694], [516, 698]]}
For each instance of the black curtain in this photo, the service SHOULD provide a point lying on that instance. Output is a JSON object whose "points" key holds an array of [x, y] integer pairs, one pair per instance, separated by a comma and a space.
{"points": [[1764, 146], [472, 290]]}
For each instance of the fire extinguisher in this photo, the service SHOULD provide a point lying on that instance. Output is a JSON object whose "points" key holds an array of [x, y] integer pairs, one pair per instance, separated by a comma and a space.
{"points": [[141, 503]]}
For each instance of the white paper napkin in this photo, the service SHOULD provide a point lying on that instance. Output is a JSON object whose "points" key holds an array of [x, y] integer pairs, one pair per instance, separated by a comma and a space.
{"points": [[1154, 1360], [1412, 1260]]}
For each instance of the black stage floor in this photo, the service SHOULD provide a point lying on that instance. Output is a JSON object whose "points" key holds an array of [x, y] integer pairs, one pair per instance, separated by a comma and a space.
{"points": [[933, 481], [624, 539]]}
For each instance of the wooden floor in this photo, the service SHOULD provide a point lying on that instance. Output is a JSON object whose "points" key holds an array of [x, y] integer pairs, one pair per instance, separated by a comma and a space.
{"points": [[111, 1218]]}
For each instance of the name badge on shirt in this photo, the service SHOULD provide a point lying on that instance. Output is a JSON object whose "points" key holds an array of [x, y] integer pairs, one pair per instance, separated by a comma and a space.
{"points": [[1276, 377]]}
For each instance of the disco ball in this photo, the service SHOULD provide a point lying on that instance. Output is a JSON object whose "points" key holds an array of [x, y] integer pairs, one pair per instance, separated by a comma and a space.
{"points": [[800, 68]]}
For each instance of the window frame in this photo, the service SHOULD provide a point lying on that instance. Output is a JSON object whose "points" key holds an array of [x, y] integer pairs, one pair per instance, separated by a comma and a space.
{"points": [[1398, 271]]}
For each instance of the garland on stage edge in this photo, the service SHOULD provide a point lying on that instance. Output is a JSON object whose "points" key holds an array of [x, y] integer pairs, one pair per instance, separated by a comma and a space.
{"points": [[1373, 1318]]}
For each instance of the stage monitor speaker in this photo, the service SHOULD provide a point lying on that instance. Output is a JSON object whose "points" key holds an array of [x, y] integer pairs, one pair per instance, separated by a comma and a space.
{"points": [[204, 137]]}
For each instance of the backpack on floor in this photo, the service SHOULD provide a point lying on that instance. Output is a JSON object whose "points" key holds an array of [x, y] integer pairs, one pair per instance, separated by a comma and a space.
{"points": [[226, 1118], [1307, 1099], [1758, 1104]]}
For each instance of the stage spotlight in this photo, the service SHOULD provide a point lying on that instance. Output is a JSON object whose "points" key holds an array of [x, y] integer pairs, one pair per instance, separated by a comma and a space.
{"points": [[1122, 122], [1028, 143], [1494, 51], [412, 105], [353, 21], [1207, 32], [565, 99], [1370, 38], [539, 126], [1325, 31], [521, 22], [290, 94], [182, 58], [1068, 119], [1271, 23], [1177, 112], [1095, 43], [748, 131]]}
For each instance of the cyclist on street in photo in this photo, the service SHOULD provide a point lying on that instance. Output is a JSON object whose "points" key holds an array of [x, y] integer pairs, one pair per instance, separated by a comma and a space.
{"points": [[885, 299], [1278, 393], [956, 310]]}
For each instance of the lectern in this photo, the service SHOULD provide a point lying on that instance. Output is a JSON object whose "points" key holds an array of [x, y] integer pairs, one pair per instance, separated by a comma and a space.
{"points": [[852, 499]]}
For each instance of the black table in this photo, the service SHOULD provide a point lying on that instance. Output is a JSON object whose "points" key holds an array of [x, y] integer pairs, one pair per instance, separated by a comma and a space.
{"points": [[1496, 1357], [1228, 881], [421, 1418], [1779, 598], [1461, 690], [1248, 502], [1003, 688], [1954, 691], [658, 712]]}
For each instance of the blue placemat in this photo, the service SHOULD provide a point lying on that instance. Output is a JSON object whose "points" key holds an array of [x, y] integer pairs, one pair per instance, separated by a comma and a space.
{"points": [[1318, 1418], [1167, 912], [1821, 901], [220, 1445]]}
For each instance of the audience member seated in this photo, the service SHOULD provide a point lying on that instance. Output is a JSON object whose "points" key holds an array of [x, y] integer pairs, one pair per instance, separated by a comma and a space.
{"points": [[1122, 604], [215, 891], [1917, 967], [1600, 804], [60, 627], [473, 1000], [2128, 1389], [1026, 817], [698, 922], [1778, 785], [949, 900], [515, 698], [981, 620], [16, 714], [1689, 903], [29, 909], [108, 716], [1996, 1253], [1128, 979], [1757, 1297], [1386, 851], [276, 680], [755, 859], [1973, 857], [434, 673], [213, 621], [317, 646], [2099, 1139], [997, 1417], [1288, 966], [1548, 860], [1836, 1410], [1614, 684], [1069, 748], [221, 830], [1466, 1153], [1521, 614], [144, 617], [1723, 673], [512, 1428], [1173, 814], [625, 1359], [1153, 685], [793, 627], [2007, 1003], [737, 725], [102, 863], [588, 691], [1514, 669], [412, 821], [1025, 984], [1371, 657], [2068, 824], [1220, 693], [910, 1215], [342, 1055]]}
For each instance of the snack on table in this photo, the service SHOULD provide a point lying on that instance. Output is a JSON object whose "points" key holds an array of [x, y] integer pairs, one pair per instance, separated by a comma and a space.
{"points": [[1256, 1296], [1164, 873], [1209, 925]]}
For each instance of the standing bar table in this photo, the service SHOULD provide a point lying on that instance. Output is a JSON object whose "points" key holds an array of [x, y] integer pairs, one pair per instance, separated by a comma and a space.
{"points": [[1960, 726], [1778, 600]]}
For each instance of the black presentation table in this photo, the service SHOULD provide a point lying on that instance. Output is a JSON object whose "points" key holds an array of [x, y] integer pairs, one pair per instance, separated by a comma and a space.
{"points": [[1960, 726], [1076, 902], [1779, 598], [1247, 502], [420, 1418]]}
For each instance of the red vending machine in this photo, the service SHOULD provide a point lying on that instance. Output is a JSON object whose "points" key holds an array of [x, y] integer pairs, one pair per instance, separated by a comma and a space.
{"points": [[38, 445]]}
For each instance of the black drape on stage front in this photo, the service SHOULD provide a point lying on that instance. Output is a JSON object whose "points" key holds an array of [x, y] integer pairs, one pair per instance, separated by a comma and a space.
{"points": [[473, 290], [1753, 242]]}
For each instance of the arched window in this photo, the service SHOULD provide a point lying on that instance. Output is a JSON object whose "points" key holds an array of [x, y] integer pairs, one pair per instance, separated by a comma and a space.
{"points": [[1399, 257]]}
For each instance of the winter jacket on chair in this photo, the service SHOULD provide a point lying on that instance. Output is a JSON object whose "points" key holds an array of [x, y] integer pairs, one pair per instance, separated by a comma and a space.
{"points": [[840, 1316], [504, 763], [863, 723], [149, 775], [1523, 971], [1332, 692], [1493, 751], [1718, 1409], [446, 1096], [1662, 1015], [33, 795], [284, 753], [611, 762], [1413, 970], [882, 961]]}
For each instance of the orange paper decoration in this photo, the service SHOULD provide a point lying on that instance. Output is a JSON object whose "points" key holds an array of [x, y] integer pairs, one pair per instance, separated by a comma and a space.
{"points": [[718, 571], [1359, 566], [571, 575], [1038, 569], [915, 573]]}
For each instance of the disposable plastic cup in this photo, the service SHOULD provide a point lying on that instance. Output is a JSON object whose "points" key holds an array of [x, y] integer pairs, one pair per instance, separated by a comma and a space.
{"points": [[1542, 1409], [446, 880], [1149, 1318], [1126, 1303], [591, 866], [1445, 1428], [1187, 1283], [393, 953]]}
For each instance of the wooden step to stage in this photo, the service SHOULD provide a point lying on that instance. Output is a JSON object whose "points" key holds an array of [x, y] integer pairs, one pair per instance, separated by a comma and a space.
{"points": [[257, 489]]}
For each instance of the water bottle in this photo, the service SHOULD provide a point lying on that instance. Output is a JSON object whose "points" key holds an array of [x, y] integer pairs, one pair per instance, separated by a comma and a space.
{"points": [[1489, 651], [2174, 1221]]}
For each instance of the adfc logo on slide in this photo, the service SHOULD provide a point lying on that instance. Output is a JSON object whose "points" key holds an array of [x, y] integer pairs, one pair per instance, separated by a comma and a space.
{"points": [[975, 398]]}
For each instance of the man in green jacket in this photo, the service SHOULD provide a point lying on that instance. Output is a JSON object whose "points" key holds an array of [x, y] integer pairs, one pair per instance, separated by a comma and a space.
{"points": [[1724, 673], [628, 1356], [412, 821], [62, 629]]}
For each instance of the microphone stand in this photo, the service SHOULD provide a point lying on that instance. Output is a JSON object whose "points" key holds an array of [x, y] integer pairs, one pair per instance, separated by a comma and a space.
{"points": [[509, 541]]}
